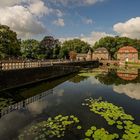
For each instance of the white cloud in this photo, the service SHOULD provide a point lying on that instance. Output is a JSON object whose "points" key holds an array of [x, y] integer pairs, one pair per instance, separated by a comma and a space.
{"points": [[59, 22], [88, 21], [91, 2], [130, 28], [39, 8], [21, 20], [4, 3], [91, 39], [75, 2], [24, 16], [131, 90], [94, 36], [59, 13]]}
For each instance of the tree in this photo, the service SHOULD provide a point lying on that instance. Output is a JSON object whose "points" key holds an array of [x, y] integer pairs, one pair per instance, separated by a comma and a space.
{"points": [[9, 44], [75, 45], [47, 47], [29, 48], [56, 51]]}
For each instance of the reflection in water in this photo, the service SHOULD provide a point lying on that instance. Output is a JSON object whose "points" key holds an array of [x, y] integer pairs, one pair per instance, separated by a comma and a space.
{"points": [[131, 90], [59, 92], [119, 76], [30, 103], [78, 79], [11, 123], [37, 107], [127, 74], [66, 98]]}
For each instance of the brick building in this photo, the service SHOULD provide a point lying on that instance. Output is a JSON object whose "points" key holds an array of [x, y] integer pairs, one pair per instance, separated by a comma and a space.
{"points": [[81, 57], [101, 54], [127, 53]]}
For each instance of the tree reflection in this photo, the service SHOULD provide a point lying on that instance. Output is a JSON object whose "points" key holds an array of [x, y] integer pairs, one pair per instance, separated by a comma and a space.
{"points": [[119, 76], [78, 79]]}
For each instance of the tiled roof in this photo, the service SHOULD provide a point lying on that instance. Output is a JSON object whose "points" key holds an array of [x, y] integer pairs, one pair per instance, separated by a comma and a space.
{"points": [[127, 49], [101, 50]]}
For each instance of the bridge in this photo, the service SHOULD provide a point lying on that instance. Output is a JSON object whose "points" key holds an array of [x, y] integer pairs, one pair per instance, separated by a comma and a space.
{"points": [[12, 65], [111, 62]]}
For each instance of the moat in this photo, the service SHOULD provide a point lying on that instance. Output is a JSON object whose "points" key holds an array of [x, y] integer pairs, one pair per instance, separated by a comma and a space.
{"points": [[28, 113]]}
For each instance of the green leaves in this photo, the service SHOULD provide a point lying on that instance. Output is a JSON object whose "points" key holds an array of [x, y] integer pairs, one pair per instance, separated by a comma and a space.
{"points": [[114, 115], [58, 126], [100, 134], [29, 48], [75, 45], [9, 44], [53, 127]]}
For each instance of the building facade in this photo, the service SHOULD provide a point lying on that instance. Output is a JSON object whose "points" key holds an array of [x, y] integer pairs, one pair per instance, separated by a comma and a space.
{"points": [[100, 54], [81, 57], [127, 53]]}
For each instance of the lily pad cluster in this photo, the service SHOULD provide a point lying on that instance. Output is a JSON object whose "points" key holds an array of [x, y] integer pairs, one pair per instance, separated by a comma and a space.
{"points": [[99, 134], [53, 127], [132, 131], [113, 114]]}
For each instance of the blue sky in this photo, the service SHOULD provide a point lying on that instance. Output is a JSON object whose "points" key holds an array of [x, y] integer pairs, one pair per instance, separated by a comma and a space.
{"points": [[66, 19]]}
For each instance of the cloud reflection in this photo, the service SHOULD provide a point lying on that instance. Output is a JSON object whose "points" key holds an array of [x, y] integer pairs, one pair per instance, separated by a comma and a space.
{"points": [[94, 81], [11, 123], [59, 92], [131, 90], [37, 107]]}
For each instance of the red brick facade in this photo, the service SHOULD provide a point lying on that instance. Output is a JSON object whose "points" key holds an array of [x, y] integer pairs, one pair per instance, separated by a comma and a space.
{"points": [[127, 53]]}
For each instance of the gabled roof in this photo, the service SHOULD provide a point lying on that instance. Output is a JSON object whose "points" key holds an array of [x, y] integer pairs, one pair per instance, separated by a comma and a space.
{"points": [[128, 49], [101, 50]]}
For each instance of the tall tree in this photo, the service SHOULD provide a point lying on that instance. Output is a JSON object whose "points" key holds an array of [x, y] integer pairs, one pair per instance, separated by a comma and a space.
{"points": [[9, 44], [47, 46], [75, 45], [29, 48]]}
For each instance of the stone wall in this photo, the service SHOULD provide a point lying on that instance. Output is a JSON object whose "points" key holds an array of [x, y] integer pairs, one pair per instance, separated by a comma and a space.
{"points": [[20, 77]]}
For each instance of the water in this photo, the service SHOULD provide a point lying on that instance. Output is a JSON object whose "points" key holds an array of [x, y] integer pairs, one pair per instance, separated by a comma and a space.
{"points": [[65, 96]]}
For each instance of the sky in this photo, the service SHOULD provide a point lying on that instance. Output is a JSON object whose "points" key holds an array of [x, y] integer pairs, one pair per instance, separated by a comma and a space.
{"points": [[88, 20]]}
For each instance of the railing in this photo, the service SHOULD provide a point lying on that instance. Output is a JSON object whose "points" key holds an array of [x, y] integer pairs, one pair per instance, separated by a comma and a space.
{"points": [[11, 65], [24, 104]]}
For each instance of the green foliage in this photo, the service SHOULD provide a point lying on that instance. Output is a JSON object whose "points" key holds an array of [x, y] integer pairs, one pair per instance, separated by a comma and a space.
{"points": [[9, 44], [114, 115], [53, 127], [112, 44], [100, 134], [73, 45], [29, 48], [45, 49], [49, 48]]}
